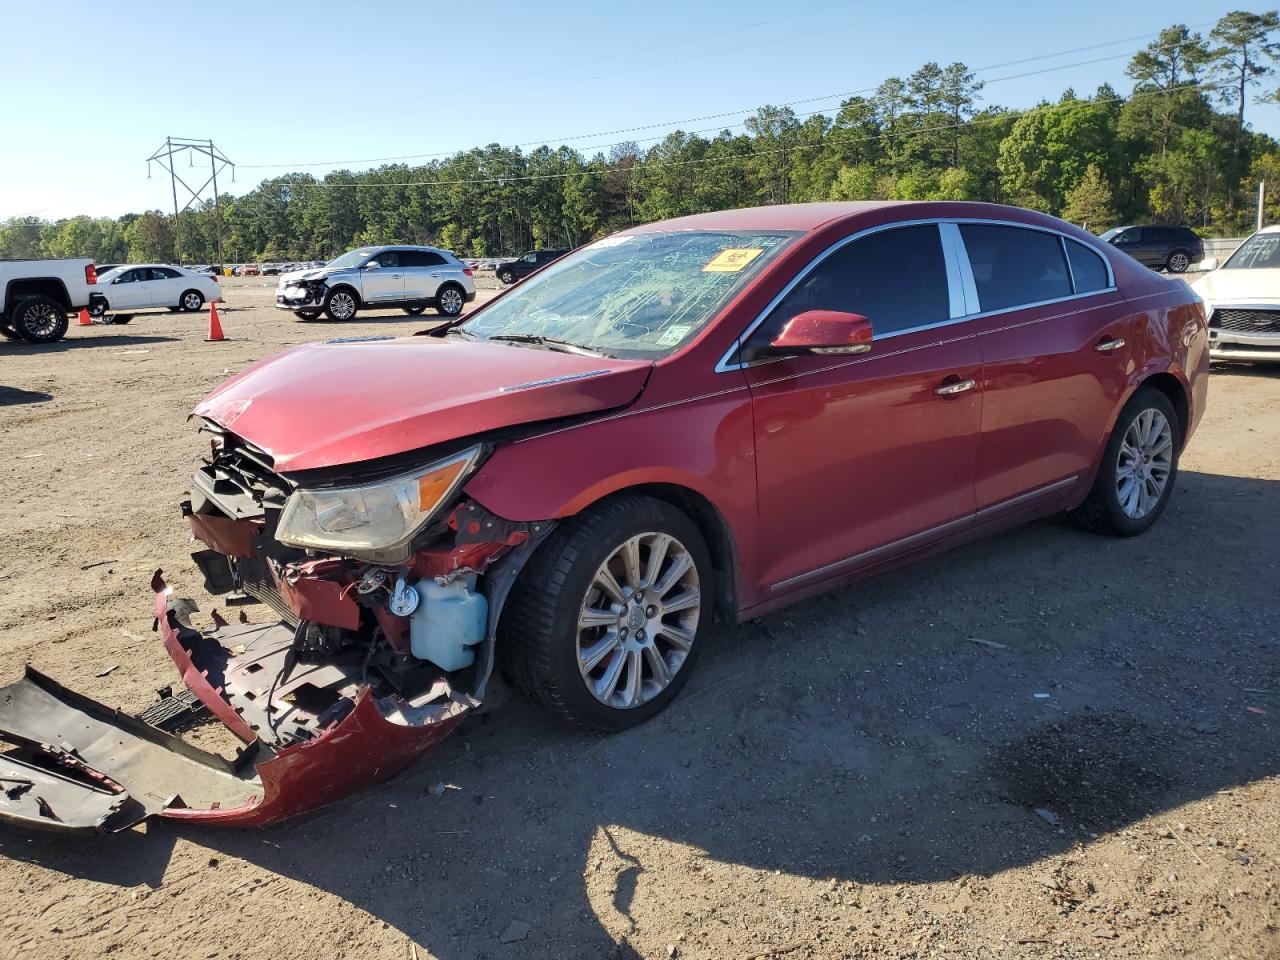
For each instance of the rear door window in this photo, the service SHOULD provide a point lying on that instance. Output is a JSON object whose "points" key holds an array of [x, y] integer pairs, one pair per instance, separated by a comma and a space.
{"points": [[896, 278], [1087, 268], [420, 258], [1013, 266]]}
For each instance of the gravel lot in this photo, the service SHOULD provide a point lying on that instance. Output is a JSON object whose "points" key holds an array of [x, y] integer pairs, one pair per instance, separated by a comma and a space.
{"points": [[855, 776]]}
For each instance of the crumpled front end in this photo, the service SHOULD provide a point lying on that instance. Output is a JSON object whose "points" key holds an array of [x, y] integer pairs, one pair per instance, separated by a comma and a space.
{"points": [[362, 666]]}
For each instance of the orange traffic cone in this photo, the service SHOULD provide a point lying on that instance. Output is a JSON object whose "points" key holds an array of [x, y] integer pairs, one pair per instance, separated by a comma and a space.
{"points": [[83, 319], [215, 328]]}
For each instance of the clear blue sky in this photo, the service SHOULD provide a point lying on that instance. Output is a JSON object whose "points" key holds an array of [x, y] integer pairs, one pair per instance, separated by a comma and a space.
{"points": [[95, 88]]}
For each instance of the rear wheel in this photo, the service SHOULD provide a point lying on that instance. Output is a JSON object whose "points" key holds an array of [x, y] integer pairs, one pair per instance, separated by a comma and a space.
{"points": [[120, 319], [603, 626], [7, 331], [191, 301], [1179, 261], [40, 320], [506, 276], [450, 300], [1138, 469], [340, 304], [413, 311]]}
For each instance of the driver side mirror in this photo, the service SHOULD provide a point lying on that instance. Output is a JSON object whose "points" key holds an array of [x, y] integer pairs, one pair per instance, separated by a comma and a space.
{"points": [[372, 265], [824, 332]]}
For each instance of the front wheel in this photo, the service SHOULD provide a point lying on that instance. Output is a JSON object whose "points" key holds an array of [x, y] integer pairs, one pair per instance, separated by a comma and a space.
{"points": [[603, 626], [1138, 469], [1179, 262], [191, 301], [450, 301], [340, 304]]}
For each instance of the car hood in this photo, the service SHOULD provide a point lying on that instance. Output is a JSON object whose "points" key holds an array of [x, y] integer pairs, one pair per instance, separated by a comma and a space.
{"points": [[315, 273], [343, 402], [1240, 286]]}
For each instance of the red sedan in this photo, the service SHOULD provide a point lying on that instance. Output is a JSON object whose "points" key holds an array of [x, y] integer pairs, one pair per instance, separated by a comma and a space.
{"points": [[711, 416]]}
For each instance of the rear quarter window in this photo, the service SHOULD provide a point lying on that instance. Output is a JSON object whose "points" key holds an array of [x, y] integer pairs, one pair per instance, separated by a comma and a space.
{"points": [[1087, 268], [1014, 266]]}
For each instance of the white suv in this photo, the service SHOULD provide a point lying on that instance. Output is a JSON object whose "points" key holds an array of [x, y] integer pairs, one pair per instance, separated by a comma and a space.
{"points": [[412, 278]]}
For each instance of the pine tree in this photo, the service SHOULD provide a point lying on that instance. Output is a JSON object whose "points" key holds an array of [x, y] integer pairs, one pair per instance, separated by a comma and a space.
{"points": [[1089, 201]]}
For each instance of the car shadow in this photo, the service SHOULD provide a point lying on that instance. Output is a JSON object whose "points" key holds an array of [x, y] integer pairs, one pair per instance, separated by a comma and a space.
{"points": [[903, 731], [81, 343], [14, 397]]}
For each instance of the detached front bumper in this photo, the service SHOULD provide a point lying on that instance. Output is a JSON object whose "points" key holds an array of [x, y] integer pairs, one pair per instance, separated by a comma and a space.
{"points": [[313, 733]]}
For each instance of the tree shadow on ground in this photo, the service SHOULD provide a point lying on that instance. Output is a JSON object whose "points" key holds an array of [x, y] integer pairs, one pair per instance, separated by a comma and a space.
{"points": [[863, 735], [16, 397]]}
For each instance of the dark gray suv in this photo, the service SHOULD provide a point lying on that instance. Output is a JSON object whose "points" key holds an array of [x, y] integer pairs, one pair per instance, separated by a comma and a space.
{"points": [[1159, 247]]}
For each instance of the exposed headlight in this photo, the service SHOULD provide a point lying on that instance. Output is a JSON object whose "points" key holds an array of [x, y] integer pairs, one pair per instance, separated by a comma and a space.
{"points": [[375, 520]]}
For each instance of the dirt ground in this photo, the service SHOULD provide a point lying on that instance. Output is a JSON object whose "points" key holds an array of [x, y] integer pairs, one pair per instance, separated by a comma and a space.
{"points": [[857, 776]]}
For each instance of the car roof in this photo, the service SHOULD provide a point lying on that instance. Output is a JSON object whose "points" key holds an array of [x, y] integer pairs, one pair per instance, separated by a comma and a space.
{"points": [[807, 217]]}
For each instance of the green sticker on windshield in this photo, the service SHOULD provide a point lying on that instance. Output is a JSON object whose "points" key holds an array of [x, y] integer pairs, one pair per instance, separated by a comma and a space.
{"points": [[674, 334]]}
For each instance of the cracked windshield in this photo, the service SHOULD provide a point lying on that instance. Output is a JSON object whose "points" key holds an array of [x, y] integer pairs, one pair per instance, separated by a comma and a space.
{"points": [[631, 296]]}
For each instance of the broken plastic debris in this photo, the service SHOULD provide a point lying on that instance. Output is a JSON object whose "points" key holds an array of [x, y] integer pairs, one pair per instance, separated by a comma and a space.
{"points": [[1048, 816], [1041, 696]]}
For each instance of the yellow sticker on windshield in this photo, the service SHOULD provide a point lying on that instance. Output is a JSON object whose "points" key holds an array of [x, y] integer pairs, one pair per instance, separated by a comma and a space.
{"points": [[732, 259]]}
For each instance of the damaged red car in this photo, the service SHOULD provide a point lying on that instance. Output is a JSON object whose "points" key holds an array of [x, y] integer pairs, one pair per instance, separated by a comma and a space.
{"points": [[708, 417]]}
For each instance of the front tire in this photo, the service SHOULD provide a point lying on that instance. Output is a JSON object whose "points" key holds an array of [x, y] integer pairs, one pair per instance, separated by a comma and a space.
{"points": [[450, 299], [1138, 470], [1179, 262], [603, 626], [191, 301], [340, 304], [40, 320]]}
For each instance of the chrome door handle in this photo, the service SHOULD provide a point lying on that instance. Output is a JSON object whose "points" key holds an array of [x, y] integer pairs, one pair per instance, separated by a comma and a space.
{"points": [[1109, 343], [951, 389]]}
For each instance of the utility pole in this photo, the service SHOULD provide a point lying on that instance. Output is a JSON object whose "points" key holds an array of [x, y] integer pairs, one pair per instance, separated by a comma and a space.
{"points": [[174, 146], [1262, 196]]}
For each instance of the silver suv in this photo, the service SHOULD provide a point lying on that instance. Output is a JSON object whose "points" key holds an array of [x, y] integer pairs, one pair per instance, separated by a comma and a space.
{"points": [[412, 278]]}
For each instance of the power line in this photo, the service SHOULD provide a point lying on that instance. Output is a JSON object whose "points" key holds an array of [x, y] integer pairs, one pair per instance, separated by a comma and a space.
{"points": [[738, 112], [890, 135]]}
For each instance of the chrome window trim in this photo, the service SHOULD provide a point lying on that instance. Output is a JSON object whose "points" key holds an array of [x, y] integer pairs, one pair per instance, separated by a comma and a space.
{"points": [[1066, 258], [959, 253], [957, 257]]}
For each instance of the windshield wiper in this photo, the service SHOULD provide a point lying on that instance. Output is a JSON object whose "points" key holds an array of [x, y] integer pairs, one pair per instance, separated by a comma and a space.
{"points": [[551, 343]]}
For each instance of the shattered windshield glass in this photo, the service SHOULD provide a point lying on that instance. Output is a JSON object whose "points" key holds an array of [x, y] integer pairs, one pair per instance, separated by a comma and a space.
{"points": [[641, 295]]}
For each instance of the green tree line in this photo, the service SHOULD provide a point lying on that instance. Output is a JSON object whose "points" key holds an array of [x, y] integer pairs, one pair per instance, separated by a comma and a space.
{"points": [[1177, 148]]}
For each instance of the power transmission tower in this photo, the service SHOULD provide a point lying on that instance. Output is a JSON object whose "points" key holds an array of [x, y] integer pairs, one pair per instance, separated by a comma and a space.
{"points": [[173, 146]]}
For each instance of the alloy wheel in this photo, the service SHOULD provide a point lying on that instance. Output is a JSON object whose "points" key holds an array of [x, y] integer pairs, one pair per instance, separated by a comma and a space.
{"points": [[451, 302], [343, 306], [191, 301], [1145, 463], [40, 320], [1179, 262], [638, 620]]}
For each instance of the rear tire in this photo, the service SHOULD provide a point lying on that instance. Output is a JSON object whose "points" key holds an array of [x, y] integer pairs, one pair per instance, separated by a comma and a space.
{"points": [[191, 301], [1179, 262], [1138, 469], [119, 319], [451, 299], [506, 276], [7, 331], [413, 311], [635, 651], [40, 320]]}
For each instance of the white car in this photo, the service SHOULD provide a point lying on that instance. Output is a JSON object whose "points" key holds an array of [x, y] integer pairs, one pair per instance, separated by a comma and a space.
{"points": [[1242, 299], [147, 286]]}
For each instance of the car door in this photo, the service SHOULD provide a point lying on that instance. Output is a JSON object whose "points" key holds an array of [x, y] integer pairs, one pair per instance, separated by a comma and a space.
{"points": [[861, 457], [1052, 332], [168, 285], [382, 279], [131, 290], [423, 273], [1130, 241]]}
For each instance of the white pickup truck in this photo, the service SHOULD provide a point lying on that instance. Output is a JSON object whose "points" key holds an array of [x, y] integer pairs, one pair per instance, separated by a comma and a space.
{"points": [[37, 295]]}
